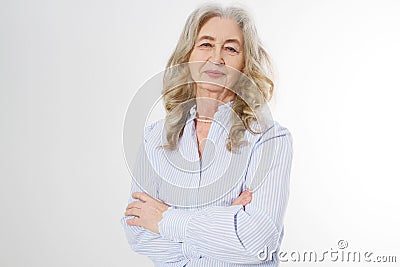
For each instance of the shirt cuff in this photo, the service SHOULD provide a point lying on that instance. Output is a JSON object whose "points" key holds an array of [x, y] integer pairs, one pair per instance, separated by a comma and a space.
{"points": [[174, 223]]}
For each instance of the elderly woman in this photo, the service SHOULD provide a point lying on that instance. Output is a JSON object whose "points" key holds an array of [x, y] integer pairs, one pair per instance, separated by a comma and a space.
{"points": [[218, 165]]}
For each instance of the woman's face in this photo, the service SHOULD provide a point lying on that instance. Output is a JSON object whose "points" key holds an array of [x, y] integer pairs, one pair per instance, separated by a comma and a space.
{"points": [[217, 58]]}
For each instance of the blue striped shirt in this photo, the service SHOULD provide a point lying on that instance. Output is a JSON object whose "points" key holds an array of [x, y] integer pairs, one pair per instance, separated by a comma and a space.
{"points": [[209, 231]]}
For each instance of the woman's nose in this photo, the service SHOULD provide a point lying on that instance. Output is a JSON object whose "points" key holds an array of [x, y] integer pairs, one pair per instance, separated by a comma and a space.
{"points": [[216, 56]]}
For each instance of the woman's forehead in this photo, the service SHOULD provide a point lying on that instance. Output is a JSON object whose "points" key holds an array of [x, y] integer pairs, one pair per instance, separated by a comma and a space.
{"points": [[221, 29]]}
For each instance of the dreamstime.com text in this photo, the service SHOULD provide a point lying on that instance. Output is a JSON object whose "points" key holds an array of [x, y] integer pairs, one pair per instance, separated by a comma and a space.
{"points": [[341, 254]]}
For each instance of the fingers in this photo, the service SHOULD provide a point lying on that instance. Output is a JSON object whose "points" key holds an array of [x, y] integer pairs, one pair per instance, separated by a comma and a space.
{"points": [[244, 198], [133, 212], [134, 222], [236, 201], [135, 204], [142, 196], [134, 208]]}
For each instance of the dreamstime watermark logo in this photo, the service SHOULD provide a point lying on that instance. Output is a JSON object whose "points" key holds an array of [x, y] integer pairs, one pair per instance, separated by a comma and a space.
{"points": [[180, 80], [339, 254], [342, 244]]}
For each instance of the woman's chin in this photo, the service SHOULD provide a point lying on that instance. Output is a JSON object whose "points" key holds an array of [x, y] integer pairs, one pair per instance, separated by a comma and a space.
{"points": [[211, 87]]}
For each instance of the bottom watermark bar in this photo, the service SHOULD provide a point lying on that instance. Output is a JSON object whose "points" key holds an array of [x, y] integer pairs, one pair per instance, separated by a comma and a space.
{"points": [[333, 255]]}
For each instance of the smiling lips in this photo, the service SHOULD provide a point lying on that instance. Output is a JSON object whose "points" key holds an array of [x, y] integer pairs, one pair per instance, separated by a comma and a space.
{"points": [[214, 73]]}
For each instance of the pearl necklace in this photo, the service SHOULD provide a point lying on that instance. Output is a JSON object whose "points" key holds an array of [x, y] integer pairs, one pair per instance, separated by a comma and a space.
{"points": [[204, 120]]}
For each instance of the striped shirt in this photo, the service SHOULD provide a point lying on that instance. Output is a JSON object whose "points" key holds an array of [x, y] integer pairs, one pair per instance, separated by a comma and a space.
{"points": [[201, 227]]}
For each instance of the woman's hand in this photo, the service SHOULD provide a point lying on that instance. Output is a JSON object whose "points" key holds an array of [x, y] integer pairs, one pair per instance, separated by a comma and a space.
{"points": [[148, 210], [244, 198]]}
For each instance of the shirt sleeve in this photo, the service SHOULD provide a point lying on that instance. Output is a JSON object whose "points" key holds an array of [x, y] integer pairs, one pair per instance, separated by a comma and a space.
{"points": [[159, 249], [232, 233]]}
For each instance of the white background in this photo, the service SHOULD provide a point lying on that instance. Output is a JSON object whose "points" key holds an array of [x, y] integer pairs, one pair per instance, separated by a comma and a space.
{"points": [[68, 70]]}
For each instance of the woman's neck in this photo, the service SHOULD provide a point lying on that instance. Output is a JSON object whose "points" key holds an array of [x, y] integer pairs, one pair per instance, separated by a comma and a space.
{"points": [[207, 102]]}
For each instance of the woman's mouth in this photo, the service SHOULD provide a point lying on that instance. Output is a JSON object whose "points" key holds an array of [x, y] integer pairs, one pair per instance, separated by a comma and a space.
{"points": [[214, 73]]}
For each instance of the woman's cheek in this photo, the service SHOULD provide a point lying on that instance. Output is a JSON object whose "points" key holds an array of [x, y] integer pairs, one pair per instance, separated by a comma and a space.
{"points": [[199, 55]]}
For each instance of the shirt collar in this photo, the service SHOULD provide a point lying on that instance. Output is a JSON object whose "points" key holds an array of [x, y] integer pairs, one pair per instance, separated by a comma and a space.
{"points": [[221, 109]]}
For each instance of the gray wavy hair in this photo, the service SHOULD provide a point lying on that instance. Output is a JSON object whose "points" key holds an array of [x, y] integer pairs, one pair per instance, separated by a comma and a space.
{"points": [[251, 93]]}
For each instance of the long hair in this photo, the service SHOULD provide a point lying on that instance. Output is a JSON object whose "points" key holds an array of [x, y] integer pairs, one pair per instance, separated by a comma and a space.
{"points": [[178, 93]]}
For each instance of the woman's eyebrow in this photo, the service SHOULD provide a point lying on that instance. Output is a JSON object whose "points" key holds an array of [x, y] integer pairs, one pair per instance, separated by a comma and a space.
{"points": [[208, 37], [233, 41]]}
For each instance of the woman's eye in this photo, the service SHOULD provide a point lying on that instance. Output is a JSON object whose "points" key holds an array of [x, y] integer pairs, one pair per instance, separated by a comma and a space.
{"points": [[205, 45], [231, 49]]}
